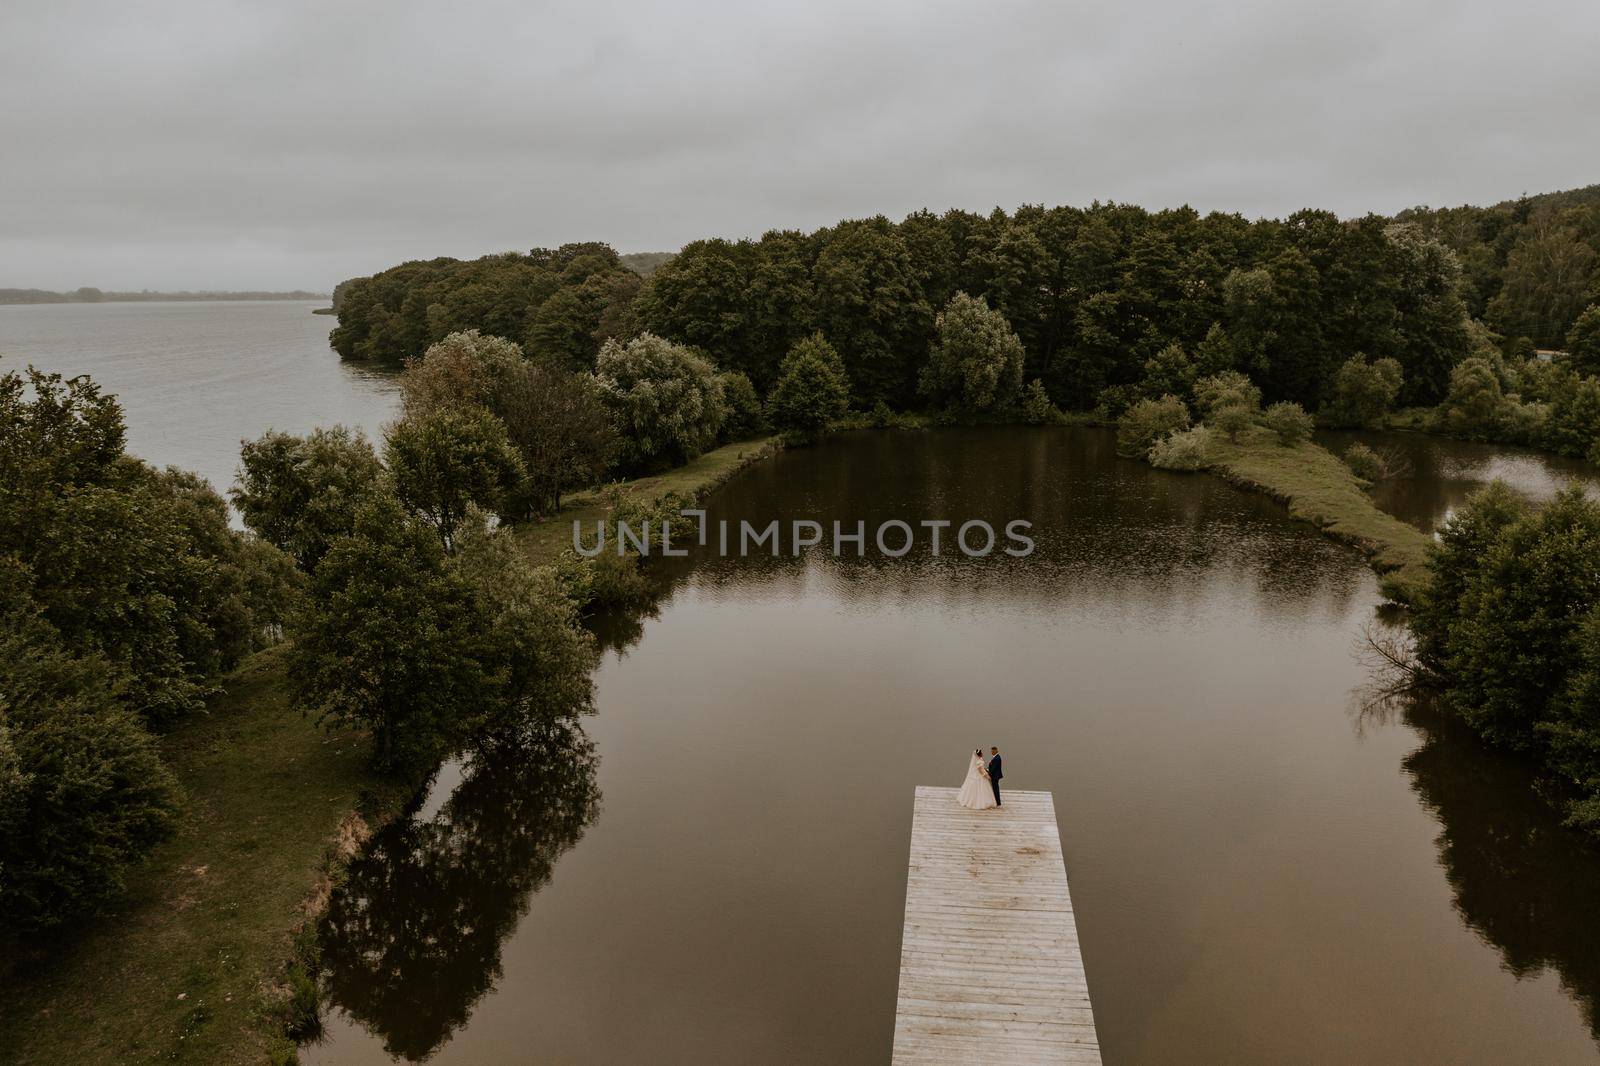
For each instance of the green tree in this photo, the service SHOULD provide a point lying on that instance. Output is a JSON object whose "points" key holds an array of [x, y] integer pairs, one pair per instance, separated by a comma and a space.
{"points": [[389, 641], [528, 638], [1515, 643], [1475, 404], [1583, 341], [812, 390], [1572, 426], [1547, 272], [1459, 553], [1169, 372], [870, 306], [561, 429], [1036, 407], [301, 493], [444, 463], [134, 564], [745, 416], [462, 370], [1363, 392], [975, 364], [665, 400]]}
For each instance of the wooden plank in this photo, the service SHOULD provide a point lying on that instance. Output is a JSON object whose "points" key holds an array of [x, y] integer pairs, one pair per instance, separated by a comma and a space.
{"points": [[990, 968]]}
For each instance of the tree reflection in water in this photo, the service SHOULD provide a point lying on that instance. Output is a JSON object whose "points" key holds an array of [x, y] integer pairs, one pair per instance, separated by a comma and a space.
{"points": [[1524, 882], [411, 940]]}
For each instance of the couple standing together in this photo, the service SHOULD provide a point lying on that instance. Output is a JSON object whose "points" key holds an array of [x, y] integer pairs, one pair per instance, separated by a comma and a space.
{"points": [[982, 780]]}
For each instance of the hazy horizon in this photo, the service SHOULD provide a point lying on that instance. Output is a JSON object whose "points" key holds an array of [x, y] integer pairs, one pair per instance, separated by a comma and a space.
{"points": [[234, 147]]}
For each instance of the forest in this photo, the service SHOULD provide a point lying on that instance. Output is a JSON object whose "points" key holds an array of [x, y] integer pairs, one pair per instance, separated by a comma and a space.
{"points": [[1095, 295]]}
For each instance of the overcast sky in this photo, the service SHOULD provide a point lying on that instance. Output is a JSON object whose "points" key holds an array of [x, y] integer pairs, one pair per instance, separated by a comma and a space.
{"points": [[209, 144]]}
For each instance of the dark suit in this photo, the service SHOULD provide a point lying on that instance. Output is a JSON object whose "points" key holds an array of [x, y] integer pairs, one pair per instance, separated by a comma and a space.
{"points": [[994, 777]]}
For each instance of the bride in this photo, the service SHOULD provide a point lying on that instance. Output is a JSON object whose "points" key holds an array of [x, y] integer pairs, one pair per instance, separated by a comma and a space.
{"points": [[975, 790]]}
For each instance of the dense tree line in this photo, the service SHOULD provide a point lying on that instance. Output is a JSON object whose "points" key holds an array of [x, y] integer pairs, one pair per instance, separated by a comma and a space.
{"points": [[124, 595], [1109, 303], [561, 304], [1093, 294]]}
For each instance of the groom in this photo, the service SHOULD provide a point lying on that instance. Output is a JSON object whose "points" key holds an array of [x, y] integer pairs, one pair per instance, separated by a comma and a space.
{"points": [[995, 775]]}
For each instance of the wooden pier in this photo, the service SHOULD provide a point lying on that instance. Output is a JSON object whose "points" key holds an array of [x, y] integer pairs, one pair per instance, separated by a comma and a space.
{"points": [[990, 969]]}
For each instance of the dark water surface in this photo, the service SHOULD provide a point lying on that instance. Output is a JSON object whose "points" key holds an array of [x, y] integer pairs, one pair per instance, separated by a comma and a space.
{"points": [[196, 378], [716, 872], [1438, 475]]}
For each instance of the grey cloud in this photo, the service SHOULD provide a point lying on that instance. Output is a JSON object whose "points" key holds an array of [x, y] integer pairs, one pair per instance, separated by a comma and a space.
{"points": [[251, 145]]}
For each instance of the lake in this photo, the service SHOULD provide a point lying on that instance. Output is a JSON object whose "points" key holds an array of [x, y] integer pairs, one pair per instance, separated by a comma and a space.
{"points": [[196, 378], [1261, 873], [714, 868]]}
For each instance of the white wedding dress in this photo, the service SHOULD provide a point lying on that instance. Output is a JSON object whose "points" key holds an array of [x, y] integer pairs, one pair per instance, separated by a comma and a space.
{"points": [[975, 790]]}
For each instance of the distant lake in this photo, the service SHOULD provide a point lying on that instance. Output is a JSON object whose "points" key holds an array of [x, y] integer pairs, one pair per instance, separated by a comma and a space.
{"points": [[196, 378]]}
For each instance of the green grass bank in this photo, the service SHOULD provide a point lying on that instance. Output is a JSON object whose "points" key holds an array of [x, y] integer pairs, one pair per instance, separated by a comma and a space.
{"points": [[190, 966], [546, 540], [1318, 488]]}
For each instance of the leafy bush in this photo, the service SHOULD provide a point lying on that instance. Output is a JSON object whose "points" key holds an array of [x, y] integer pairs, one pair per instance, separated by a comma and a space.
{"points": [[665, 399], [1289, 421], [1233, 419], [975, 363], [1147, 422], [1187, 449], [1364, 462], [1227, 389], [812, 390]]}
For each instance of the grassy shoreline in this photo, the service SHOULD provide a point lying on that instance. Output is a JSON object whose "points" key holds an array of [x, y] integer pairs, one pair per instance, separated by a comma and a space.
{"points": [[1318, 488], [546, 540], [187, 968], [191, 966]]}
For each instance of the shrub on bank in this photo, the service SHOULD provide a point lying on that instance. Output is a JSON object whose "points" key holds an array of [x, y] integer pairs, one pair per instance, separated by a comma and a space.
{"points": [[1364, 462], [1289, 421], [1146, 422], [1186, 450]]}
